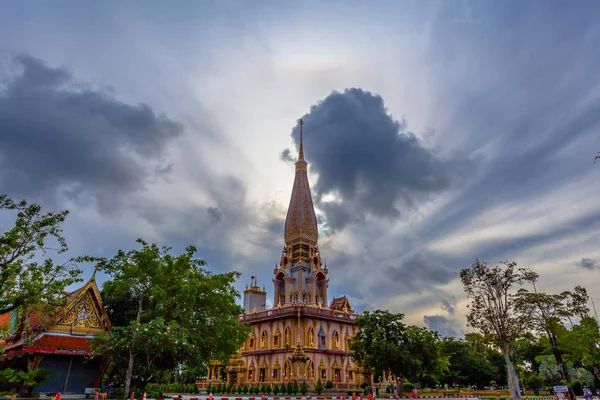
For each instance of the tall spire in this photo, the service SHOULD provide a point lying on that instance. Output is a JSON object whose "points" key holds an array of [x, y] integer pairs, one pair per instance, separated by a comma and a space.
{"points": [[301, 221], [301, 152]]}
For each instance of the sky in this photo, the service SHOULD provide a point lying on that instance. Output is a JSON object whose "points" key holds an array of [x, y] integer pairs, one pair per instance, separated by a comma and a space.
{"points": [[436, 132]]}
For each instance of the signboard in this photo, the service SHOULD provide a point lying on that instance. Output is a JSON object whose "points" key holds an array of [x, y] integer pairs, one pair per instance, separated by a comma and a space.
{"points": [[561, 392]]}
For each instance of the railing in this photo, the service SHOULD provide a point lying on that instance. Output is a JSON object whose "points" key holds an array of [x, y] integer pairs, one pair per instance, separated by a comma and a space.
{"points": [[294, 309]]}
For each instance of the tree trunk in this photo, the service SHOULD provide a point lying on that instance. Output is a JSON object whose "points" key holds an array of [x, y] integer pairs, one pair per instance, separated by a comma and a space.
{"points": [[596, 371], [131, 357], [513, 379], [400, 386], [564, 371]]}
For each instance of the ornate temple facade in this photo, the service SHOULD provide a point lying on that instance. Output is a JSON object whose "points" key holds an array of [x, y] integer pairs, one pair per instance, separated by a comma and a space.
{"points": [[59, 342], [304, 336]]}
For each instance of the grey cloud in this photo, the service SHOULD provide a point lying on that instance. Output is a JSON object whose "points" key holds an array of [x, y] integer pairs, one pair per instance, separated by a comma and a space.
{"points": [[449, 305], [215, 214], [419, 271], [588, 263], [286, 156], [369, 159], [61, 137], [442, 325]]}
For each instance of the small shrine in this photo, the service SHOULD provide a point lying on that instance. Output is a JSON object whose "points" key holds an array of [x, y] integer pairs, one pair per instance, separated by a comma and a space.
{"points": [[59, 341]]}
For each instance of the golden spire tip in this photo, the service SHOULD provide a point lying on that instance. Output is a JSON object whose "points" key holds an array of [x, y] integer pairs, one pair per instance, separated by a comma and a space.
{"points": [[301, 151]]}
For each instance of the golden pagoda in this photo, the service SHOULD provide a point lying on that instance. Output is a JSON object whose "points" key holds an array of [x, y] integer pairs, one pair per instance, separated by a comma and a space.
{"points": [[301, 310]]}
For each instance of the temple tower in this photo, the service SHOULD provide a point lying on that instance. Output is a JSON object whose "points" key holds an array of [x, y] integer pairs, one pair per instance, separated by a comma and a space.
{"points": [[304, 337], [300, 278], [255, 299]]}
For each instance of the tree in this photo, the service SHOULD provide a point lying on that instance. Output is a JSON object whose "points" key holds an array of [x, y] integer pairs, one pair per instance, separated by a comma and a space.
{"points": [[546, 315], [289, 388], [581, 344], [175, 294], [29, 280], [319, 387], [304, 389], [468, 364], [328, 385], [295, 388], [385, 343], [492, 309]]}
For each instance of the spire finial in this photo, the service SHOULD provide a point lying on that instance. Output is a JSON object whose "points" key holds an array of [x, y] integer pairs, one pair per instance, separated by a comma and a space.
{"points": [[301, 152], [96, 268]]}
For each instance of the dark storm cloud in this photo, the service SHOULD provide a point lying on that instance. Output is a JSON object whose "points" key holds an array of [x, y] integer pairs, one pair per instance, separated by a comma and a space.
{"points": [[369, 159], [588, 263], [60, 137], [449, 305], [419, 271], [442, 325]]}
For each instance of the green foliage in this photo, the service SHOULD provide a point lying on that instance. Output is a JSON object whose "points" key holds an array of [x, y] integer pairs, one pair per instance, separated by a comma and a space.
{"points": [[319, 387], [408, 386], [177, 296], [22, 380], [546, 314], [469, 364], [30, 281], [268, 389], [493, 308], [304, 388], [328, 385], [276, 389], [289, 389], [295, 388], [385, 343]]}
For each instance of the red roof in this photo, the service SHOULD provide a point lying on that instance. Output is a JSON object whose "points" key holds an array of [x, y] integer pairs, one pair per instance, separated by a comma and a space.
{"points": [[63, 342]]}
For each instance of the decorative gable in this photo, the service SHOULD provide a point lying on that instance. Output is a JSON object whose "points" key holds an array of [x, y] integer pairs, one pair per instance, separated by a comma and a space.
{"points": [[83, 313]]}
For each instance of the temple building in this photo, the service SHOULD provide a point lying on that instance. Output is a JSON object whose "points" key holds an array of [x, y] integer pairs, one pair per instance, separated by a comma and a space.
{"points": [[304, 336], [59, 342]]}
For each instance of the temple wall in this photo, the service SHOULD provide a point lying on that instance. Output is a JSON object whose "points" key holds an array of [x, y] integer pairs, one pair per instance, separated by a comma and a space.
{"points": [[266, 354]]}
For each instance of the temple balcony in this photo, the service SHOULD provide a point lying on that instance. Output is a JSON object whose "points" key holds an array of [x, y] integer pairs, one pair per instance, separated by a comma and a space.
{"points": [[292, 310]]}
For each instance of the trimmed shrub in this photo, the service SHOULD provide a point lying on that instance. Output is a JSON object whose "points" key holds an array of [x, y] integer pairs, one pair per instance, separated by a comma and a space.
{"points": [[319, 387], [303, 389]]}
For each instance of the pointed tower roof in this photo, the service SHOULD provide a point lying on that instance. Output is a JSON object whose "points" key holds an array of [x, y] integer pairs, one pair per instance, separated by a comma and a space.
{"points": [[301, 221]]}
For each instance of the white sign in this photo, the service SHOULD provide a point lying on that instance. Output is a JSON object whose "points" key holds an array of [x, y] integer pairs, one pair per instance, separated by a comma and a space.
{"points": [[561, 389]]}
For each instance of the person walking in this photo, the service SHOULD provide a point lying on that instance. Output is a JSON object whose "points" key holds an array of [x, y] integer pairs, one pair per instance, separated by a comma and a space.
{"points": [[587, 393]]}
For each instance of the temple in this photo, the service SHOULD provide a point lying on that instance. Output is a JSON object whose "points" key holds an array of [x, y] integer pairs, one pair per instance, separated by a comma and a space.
{"points": [[59, 341], [303, 337]]}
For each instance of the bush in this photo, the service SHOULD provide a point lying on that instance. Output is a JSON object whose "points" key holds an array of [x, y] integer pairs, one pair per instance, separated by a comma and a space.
{"points": [[289, 388], [276, 389], [319, 387], [328, 385], [408, 386], [117, 393], [304, 389], [295, 388]]}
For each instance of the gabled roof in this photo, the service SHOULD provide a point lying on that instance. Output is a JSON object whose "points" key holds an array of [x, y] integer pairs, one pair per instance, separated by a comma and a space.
{"points": [[341, 304], [70, 327]]}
